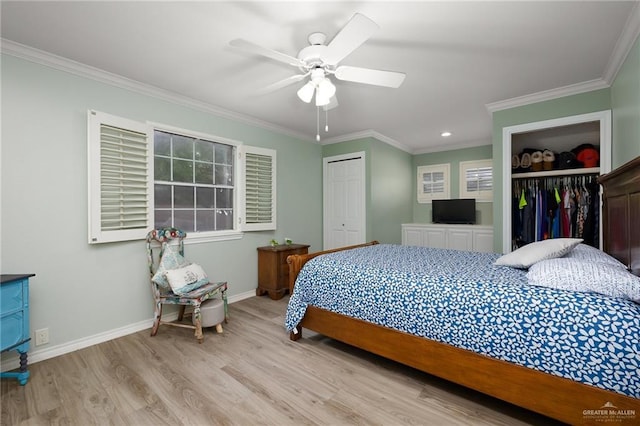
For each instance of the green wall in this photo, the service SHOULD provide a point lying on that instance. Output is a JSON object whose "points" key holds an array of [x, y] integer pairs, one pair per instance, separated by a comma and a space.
{"points": [[83, 290], [390, 192], [625, 103], [422, 212], [388, 187]]}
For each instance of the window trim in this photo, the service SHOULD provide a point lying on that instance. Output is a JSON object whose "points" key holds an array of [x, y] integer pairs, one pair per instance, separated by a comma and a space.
{"points": [[480, 196], [445, 169]]}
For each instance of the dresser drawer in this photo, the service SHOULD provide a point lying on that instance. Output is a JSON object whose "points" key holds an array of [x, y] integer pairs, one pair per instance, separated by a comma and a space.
{"points": [[11, 296], [11, 331]]}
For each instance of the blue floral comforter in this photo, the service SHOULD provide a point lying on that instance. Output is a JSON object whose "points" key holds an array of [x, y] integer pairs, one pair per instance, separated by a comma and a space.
{"points": [[462, 299]]}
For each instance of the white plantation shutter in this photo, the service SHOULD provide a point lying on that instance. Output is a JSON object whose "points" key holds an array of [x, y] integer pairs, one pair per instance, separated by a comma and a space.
{"points": [[120, 184], [476, 180], [433, 182], [260, 189]]}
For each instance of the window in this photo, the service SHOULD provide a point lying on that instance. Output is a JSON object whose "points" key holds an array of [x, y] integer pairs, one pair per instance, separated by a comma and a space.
{"points": [[194, 185], [140, 178], [433, 182], [476, 180]]}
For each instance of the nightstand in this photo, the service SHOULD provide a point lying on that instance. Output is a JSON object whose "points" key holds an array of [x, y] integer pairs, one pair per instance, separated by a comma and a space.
{"points": [[273, 270]]}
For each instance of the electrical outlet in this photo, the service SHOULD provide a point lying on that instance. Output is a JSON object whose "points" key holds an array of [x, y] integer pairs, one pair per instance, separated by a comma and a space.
{"points": [[42, 336]]}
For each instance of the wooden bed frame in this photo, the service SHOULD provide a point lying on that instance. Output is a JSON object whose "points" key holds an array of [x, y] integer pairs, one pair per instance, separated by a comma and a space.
{"points": [[621, 214], [553, 396]]}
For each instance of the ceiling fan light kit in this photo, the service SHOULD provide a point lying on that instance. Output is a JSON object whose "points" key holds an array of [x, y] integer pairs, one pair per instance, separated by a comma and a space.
{"points": [[319, 60], [306, 92], [319, 84], [325, 92]]}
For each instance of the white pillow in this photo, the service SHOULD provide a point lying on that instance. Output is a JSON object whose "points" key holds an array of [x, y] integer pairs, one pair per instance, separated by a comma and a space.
{"points": [[526, 256], [186, 279], [592, 254], [585, 276], [171, 259]]}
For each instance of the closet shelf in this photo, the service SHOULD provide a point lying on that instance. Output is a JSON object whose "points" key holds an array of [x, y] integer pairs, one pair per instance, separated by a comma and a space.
{"points": [[559, 172]]}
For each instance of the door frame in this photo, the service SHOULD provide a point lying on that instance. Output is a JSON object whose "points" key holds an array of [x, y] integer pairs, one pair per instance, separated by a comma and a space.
{"points": [[363, 180]]}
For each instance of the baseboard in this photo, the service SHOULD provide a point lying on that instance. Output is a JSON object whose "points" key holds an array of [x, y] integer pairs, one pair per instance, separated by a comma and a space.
{"points": [[65, 348]]}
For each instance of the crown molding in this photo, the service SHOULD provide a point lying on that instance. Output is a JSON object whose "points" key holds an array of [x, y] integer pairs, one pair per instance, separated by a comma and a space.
{"points": [[547, 95], [82, 70], [367, 134], [623, 45]]}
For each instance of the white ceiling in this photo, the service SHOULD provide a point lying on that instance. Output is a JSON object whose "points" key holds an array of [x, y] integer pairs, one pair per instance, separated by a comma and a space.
{"points": [[459, 57]]}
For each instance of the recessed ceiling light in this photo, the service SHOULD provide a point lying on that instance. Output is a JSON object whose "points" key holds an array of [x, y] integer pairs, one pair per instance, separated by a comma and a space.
{"points": [[445, 134]]}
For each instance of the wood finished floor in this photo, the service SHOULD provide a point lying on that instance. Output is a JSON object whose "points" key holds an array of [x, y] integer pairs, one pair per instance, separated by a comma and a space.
{"points": [[249, 375]]}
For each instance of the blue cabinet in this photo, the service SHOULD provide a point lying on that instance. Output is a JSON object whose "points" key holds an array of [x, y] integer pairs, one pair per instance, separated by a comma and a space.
{"points": [[14, 320]]}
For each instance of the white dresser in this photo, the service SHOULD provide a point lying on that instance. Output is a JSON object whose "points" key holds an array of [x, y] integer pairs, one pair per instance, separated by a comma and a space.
{"points": [[458, 237]]}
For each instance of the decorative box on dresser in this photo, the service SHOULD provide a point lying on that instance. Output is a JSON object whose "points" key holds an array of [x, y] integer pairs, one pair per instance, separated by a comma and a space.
{"points": [[273, 270], [14, 321], [457, 237]]}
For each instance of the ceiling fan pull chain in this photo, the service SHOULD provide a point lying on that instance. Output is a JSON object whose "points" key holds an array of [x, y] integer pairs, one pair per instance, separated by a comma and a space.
{"points": [[318, 124], [326, 120]]}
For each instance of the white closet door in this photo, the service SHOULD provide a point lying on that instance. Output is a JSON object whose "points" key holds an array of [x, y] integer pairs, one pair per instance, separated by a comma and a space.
{"points": [[344, 200]]}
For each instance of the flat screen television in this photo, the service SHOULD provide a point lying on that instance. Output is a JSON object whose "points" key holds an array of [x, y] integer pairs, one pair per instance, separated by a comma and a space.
{"points": [[456, 211]]}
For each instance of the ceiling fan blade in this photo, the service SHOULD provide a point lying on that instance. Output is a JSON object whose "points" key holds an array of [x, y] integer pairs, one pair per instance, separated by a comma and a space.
{"points": [[333, 103], [259, 50], [357, 31], [282, 83], [368, 76]]}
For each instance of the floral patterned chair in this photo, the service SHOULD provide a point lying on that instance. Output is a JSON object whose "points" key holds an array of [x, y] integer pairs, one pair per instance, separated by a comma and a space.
{"points": [[170, 242]]}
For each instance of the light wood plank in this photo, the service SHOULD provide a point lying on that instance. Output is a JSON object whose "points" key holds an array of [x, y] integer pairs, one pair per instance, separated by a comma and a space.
{"points": [[250, 374]]}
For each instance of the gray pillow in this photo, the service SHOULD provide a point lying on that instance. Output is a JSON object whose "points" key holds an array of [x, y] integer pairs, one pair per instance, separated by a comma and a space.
{"points": [[591, 254], [585, 276]]}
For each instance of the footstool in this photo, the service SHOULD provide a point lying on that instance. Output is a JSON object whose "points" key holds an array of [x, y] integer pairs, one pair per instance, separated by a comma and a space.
{"points": [[212, 313]]}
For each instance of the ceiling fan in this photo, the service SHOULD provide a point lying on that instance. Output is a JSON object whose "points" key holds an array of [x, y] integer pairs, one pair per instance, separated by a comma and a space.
{"points": [[319, 61]]}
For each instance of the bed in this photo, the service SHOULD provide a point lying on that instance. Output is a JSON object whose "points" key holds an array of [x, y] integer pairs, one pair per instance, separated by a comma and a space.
{"points": [[470, 336]]}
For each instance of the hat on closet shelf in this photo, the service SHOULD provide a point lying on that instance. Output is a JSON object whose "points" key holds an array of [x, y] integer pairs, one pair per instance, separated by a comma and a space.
{"points": [[567, 160], [536, 161], [589, 157], [548, 158]]}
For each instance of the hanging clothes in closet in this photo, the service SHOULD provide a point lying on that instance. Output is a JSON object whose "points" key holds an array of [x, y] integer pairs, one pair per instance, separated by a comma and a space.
{"points": [[555, 207]]}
